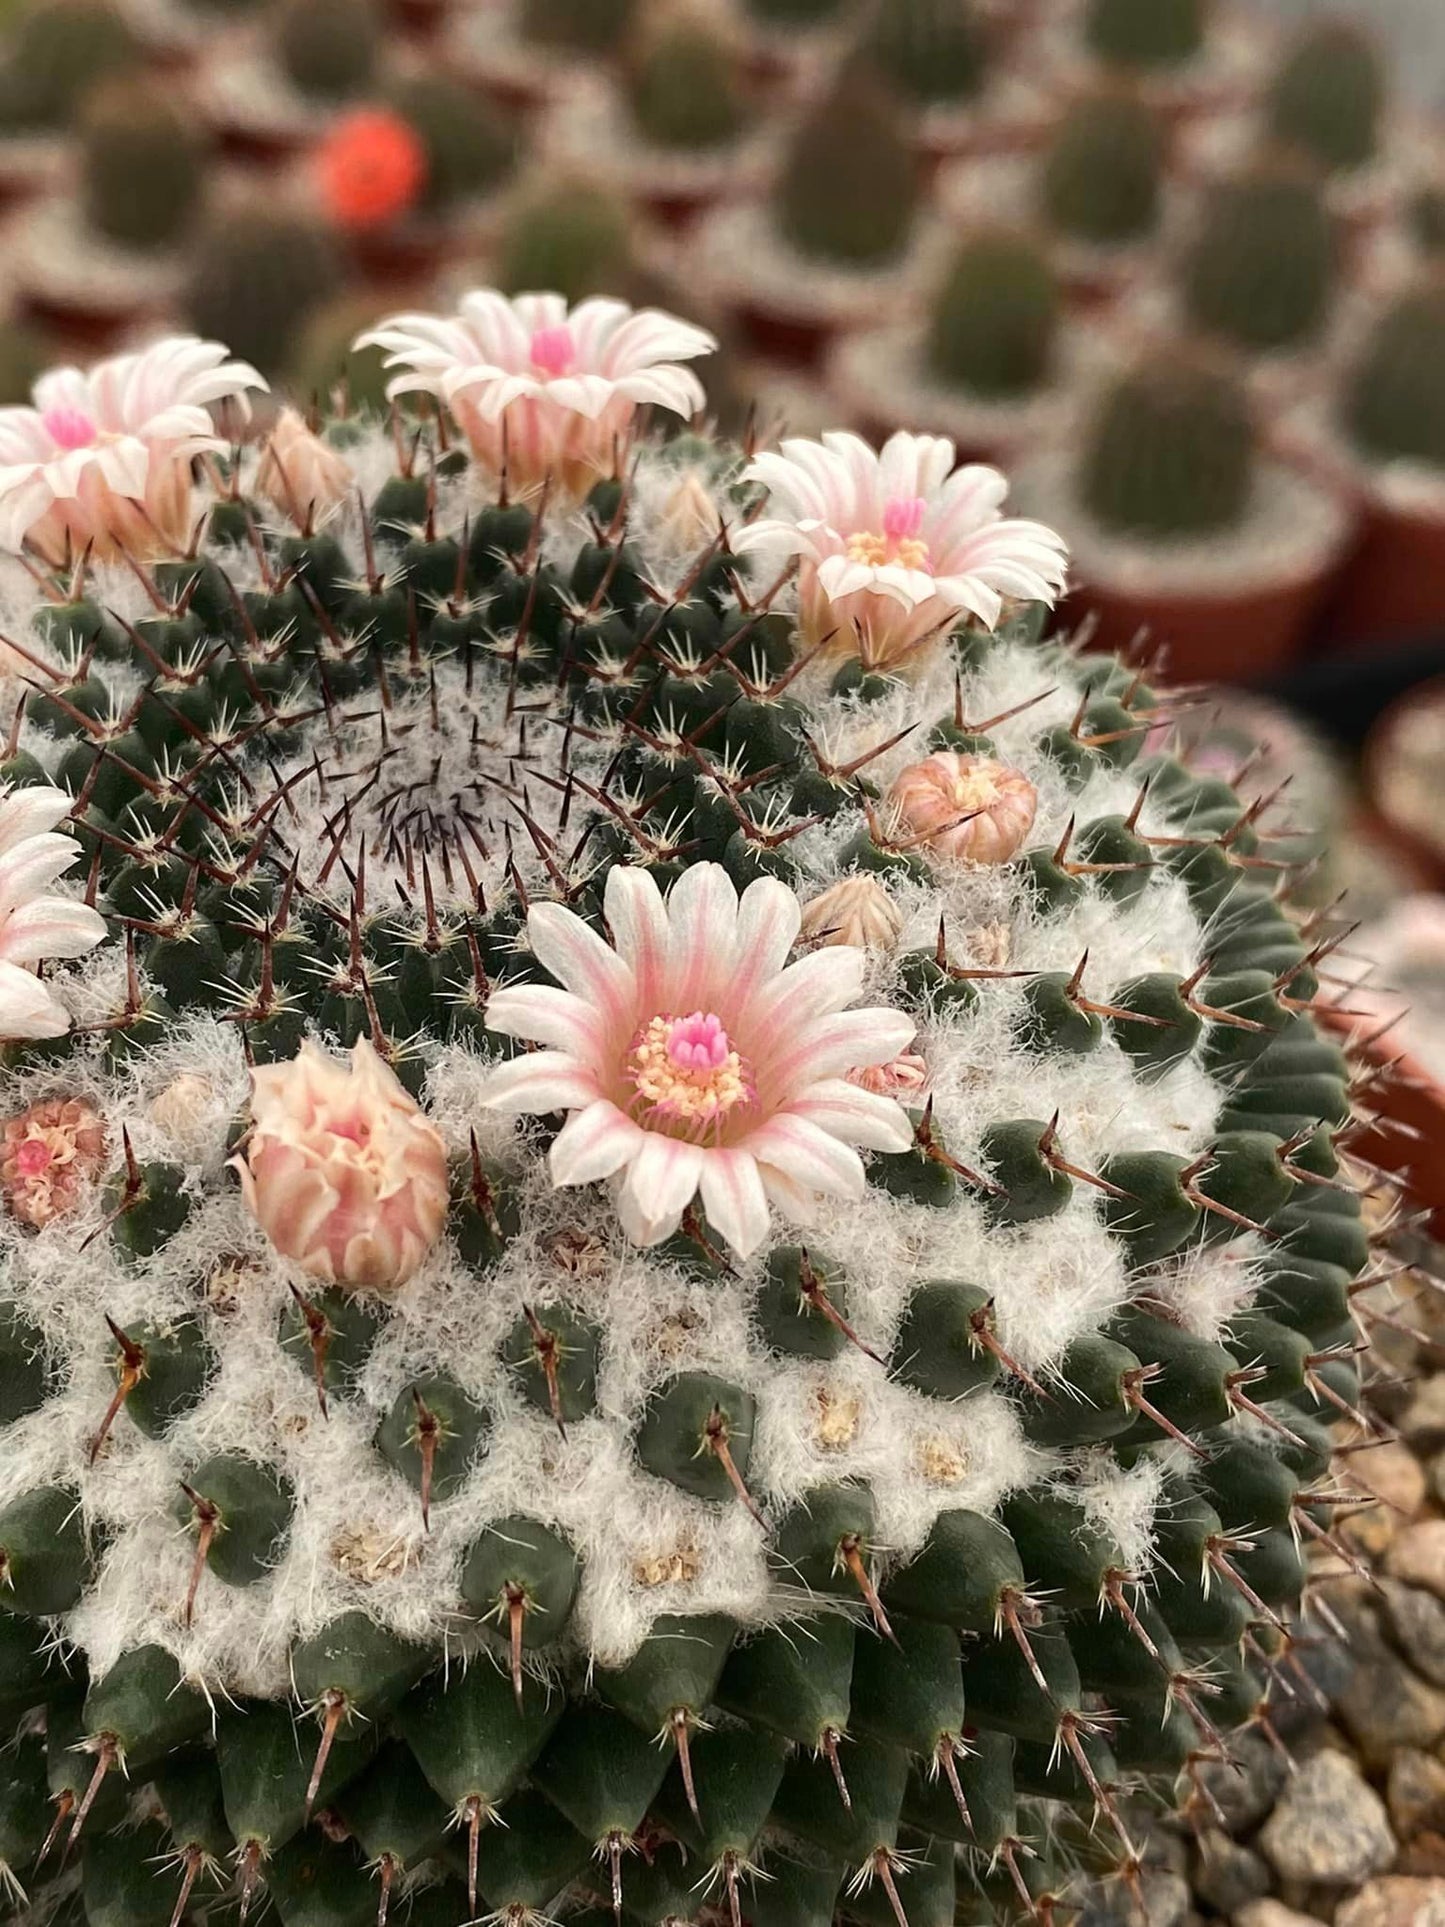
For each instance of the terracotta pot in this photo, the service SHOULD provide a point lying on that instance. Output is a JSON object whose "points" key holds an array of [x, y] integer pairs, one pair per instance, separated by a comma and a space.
{"points": [[1424, 853], [1221, 637], [1412, 1099], [1392, 589]]}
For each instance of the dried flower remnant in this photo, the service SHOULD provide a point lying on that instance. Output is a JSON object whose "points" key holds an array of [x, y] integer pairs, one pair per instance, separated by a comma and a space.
{"points": [[49, 1152]]}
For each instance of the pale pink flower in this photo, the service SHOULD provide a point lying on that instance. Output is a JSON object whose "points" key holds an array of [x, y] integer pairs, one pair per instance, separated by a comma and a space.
{"points": [[857, 910], [48, 1152], [35, 926], [905, 1077], [341, 1170], [896, 548], [966, 807], [104, 457], [551, 391], [299, 473], [694, 1060]]}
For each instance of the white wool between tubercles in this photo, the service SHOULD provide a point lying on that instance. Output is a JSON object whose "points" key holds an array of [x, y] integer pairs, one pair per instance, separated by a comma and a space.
{"points": [[646, 1547]]}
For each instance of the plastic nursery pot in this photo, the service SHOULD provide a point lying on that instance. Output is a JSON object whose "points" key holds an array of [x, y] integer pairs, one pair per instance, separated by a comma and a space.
{"points": [[1392, 588], [1215, 636]]}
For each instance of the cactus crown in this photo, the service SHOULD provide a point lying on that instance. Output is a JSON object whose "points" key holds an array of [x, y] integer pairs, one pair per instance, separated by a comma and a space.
{"points": [[1101, 176], [1394, 398], [470, 149], [407, 1498], [1146, 33], [256, 273], [1329, 95], [683, 88], [57, 54], [328, 48], [932, 51], [1261, 270], [578, 26], [1170, 452], [848, 186], [141, 164], [996, 318]]}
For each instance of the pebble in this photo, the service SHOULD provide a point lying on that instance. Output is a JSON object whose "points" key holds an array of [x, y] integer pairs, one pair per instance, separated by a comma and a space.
{"points": [[1422, 1422], [1245, 1790], [1329, 1828], [1395, 1902], [1272, 1913], [1415, 1793], [1417, 1556], [1393, 1474], [1385, 1706], [1227, 1873], [1416, 1619]]}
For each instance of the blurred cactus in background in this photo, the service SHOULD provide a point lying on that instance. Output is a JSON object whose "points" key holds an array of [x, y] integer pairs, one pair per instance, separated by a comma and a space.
{"points": [[682, 87], [1146, 33], [933, 51], [1102, 172], [568, 236], [1261, 270], [1328, 97], [579, 26], [996, 318], [142, 160], [1170, 453], [848, 186], [1394, 397], [328, 48], [56, 52], [259, 272]]}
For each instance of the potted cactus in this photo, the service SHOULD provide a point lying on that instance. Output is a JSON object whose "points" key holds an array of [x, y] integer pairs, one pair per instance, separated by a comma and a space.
{"points": [[530, 52], [50, 58], [1183, 527], [1386, 442], [304, 63], [1187, 58], [792, 44], [111, 255], [837, 244], [260, 269], [675, 129], [948, 62], [781, 1450], [993, 364]]}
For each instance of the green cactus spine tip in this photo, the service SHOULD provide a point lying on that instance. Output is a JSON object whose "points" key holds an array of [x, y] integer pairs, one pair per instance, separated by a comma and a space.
{"points": [[328, 48], [596, 27], [848, 187], [934, 52], [141, 160], [1147, 34], [1101, 178], [568, 236], [1393, 405], [1261, 271], [995, 322], [683, 88], [1170, 453], [1328, 98]]}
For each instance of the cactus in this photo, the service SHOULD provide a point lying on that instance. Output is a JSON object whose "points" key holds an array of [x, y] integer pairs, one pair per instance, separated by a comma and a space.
{"points": [[1146, 34], [683, 88], [791, 14], [569, 236], [256, 276], [470, 150], [141, 159], [1261, 270], [848, 186], [327, 48], [58, 53], [384, 1531], [1170, 452], [578, 26], [1427, 218], [1328, 96], [1101, 175], [1393, 404], [996, 318], [23, 357], [932, 51]]}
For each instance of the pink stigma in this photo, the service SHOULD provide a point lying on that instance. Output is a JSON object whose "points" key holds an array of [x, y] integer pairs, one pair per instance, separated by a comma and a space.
{"points": [[68, 427], [697, 1043], [553, 350], [33, 1156], [903, 517]]}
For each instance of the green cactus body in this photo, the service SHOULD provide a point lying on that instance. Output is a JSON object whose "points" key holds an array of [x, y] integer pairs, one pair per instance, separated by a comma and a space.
{"points": [[996, 319], [1393, 404], [1146, 34], [470, 152], [57, 55], [1328, 98], [683, 90], [578, 26], [141, 161], [933, 51], [1170, 454], [1101, 176], [848, 186], [256, 277], [501, 1539], [572, 237], [327, 48], [1261, 270]]}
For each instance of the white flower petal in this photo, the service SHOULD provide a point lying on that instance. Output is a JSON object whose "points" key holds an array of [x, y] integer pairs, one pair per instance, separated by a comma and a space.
{"points": [[594, 1143], [734, 1199], [540, 1081], [809, 1156], [544, 1015], [856, 1116], [28, 1010]]}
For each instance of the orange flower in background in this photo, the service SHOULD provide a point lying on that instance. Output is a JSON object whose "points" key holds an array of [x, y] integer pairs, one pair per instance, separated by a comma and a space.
{"points": [[370, 168]]}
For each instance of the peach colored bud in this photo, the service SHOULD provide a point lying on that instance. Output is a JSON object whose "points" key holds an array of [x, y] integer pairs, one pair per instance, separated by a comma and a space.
{"points": [[690, 517], [299, 473], [966, 807], [47, 1154], [858, 911], [341, 1170], [903, 1078]]}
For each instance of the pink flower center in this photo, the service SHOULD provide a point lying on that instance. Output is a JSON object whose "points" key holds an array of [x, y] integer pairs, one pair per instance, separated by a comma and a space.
{"points": [[686, 1073], [33, 1157], [898, 540], [553, 350], [68, 427]]}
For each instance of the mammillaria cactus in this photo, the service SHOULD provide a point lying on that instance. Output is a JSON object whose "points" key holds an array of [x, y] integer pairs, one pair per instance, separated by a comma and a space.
{"points": [[1394, 399], [1146, 33], [1329, 95], [682, 87], [933, 51], [696, 1249], [141, 164], [1261, 270], [1171, 451], [569, 235], [848, 187], [996, 317], [1101, 176]]}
